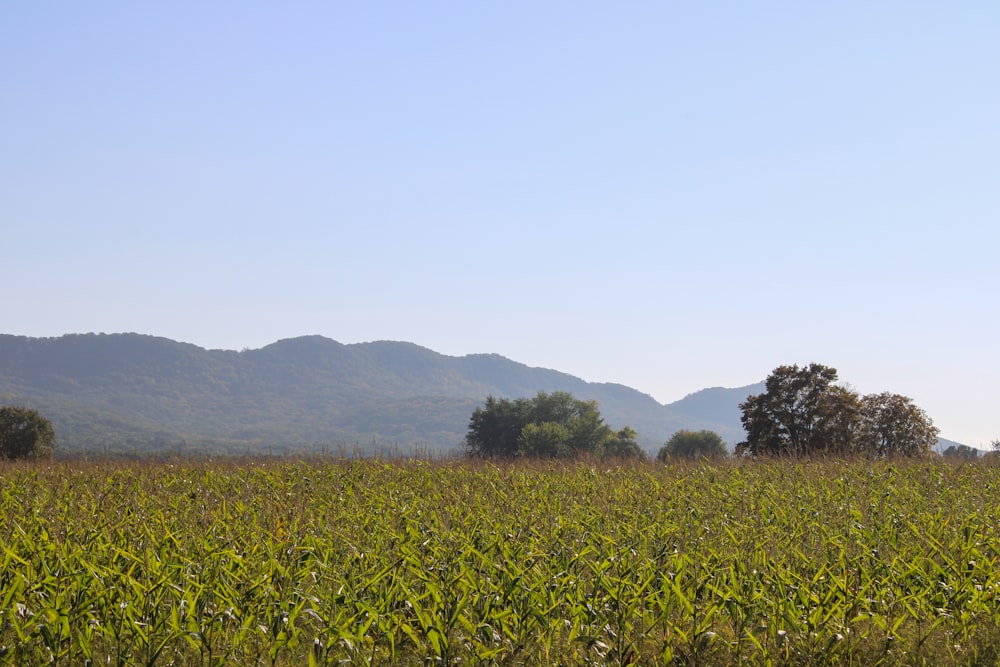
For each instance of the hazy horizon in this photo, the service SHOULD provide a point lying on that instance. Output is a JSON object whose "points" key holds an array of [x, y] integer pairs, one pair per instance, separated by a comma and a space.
{"points": [[665, 197]]}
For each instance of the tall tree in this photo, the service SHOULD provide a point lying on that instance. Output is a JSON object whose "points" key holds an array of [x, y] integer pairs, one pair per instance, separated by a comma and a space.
{"points": [[836, 423], [623, 445], [800, 412], [25, 434], [891, 425], [495, 428]]}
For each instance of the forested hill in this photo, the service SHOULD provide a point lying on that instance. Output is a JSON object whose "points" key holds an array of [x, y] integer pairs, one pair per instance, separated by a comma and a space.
{"points": [[131, 392]]}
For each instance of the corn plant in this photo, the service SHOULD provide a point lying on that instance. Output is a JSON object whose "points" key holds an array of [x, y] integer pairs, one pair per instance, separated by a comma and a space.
{"points": [[333, 562]]}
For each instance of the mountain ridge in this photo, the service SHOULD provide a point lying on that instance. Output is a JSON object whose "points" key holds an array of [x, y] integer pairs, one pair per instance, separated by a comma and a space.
{"points": [[128, 392]]}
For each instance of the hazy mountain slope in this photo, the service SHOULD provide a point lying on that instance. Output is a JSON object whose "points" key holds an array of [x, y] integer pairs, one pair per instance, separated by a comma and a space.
{"points": [[135, 392], [719, 406]]}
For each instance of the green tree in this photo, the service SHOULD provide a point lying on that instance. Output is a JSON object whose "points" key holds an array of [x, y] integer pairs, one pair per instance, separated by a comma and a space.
{"points": [[961, 453], [623, 446], [545, 440], [25, 434], [582, 419], [891, 425], [801, 412], [549, 425], [692, 445], [495, 428]]}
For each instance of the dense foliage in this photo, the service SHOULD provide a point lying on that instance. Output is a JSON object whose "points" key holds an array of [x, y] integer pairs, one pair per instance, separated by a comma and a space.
{"points": [[961, 452], [25, 434], [692, 445], [479, 563], [803, 413], [555, 425]]}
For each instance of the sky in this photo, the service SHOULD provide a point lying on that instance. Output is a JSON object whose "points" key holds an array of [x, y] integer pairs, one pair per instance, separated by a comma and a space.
{"points": [[666, 195]]}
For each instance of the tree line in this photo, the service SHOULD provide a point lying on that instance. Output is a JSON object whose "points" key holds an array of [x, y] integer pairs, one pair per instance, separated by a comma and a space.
{"points": [[802, 412], [555, 425]]}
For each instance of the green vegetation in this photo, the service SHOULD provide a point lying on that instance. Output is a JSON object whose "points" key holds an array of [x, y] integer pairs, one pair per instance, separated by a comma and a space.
{"points": [[693, 445], [137, 395], [803, 413], [25, 434], [364, 562], [961, 452], [555, 425]]}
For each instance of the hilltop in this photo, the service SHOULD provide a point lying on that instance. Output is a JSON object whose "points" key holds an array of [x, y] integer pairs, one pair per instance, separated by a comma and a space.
{"points": [[136, 393]]}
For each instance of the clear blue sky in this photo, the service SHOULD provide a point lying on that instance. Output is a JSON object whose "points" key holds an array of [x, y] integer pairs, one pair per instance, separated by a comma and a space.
{"points": [[669, 195]]}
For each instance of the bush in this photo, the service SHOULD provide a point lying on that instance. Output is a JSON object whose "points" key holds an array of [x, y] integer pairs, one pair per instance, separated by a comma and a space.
{"points": [[25, 434], [692, 445]]}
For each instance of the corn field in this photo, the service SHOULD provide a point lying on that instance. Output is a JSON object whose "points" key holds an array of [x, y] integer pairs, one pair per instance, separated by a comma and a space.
{"points": [[411, 562]]}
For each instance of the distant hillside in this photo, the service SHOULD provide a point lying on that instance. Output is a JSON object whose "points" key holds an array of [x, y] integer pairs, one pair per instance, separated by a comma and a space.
{"points": [[131, 392], [719, 406]]}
